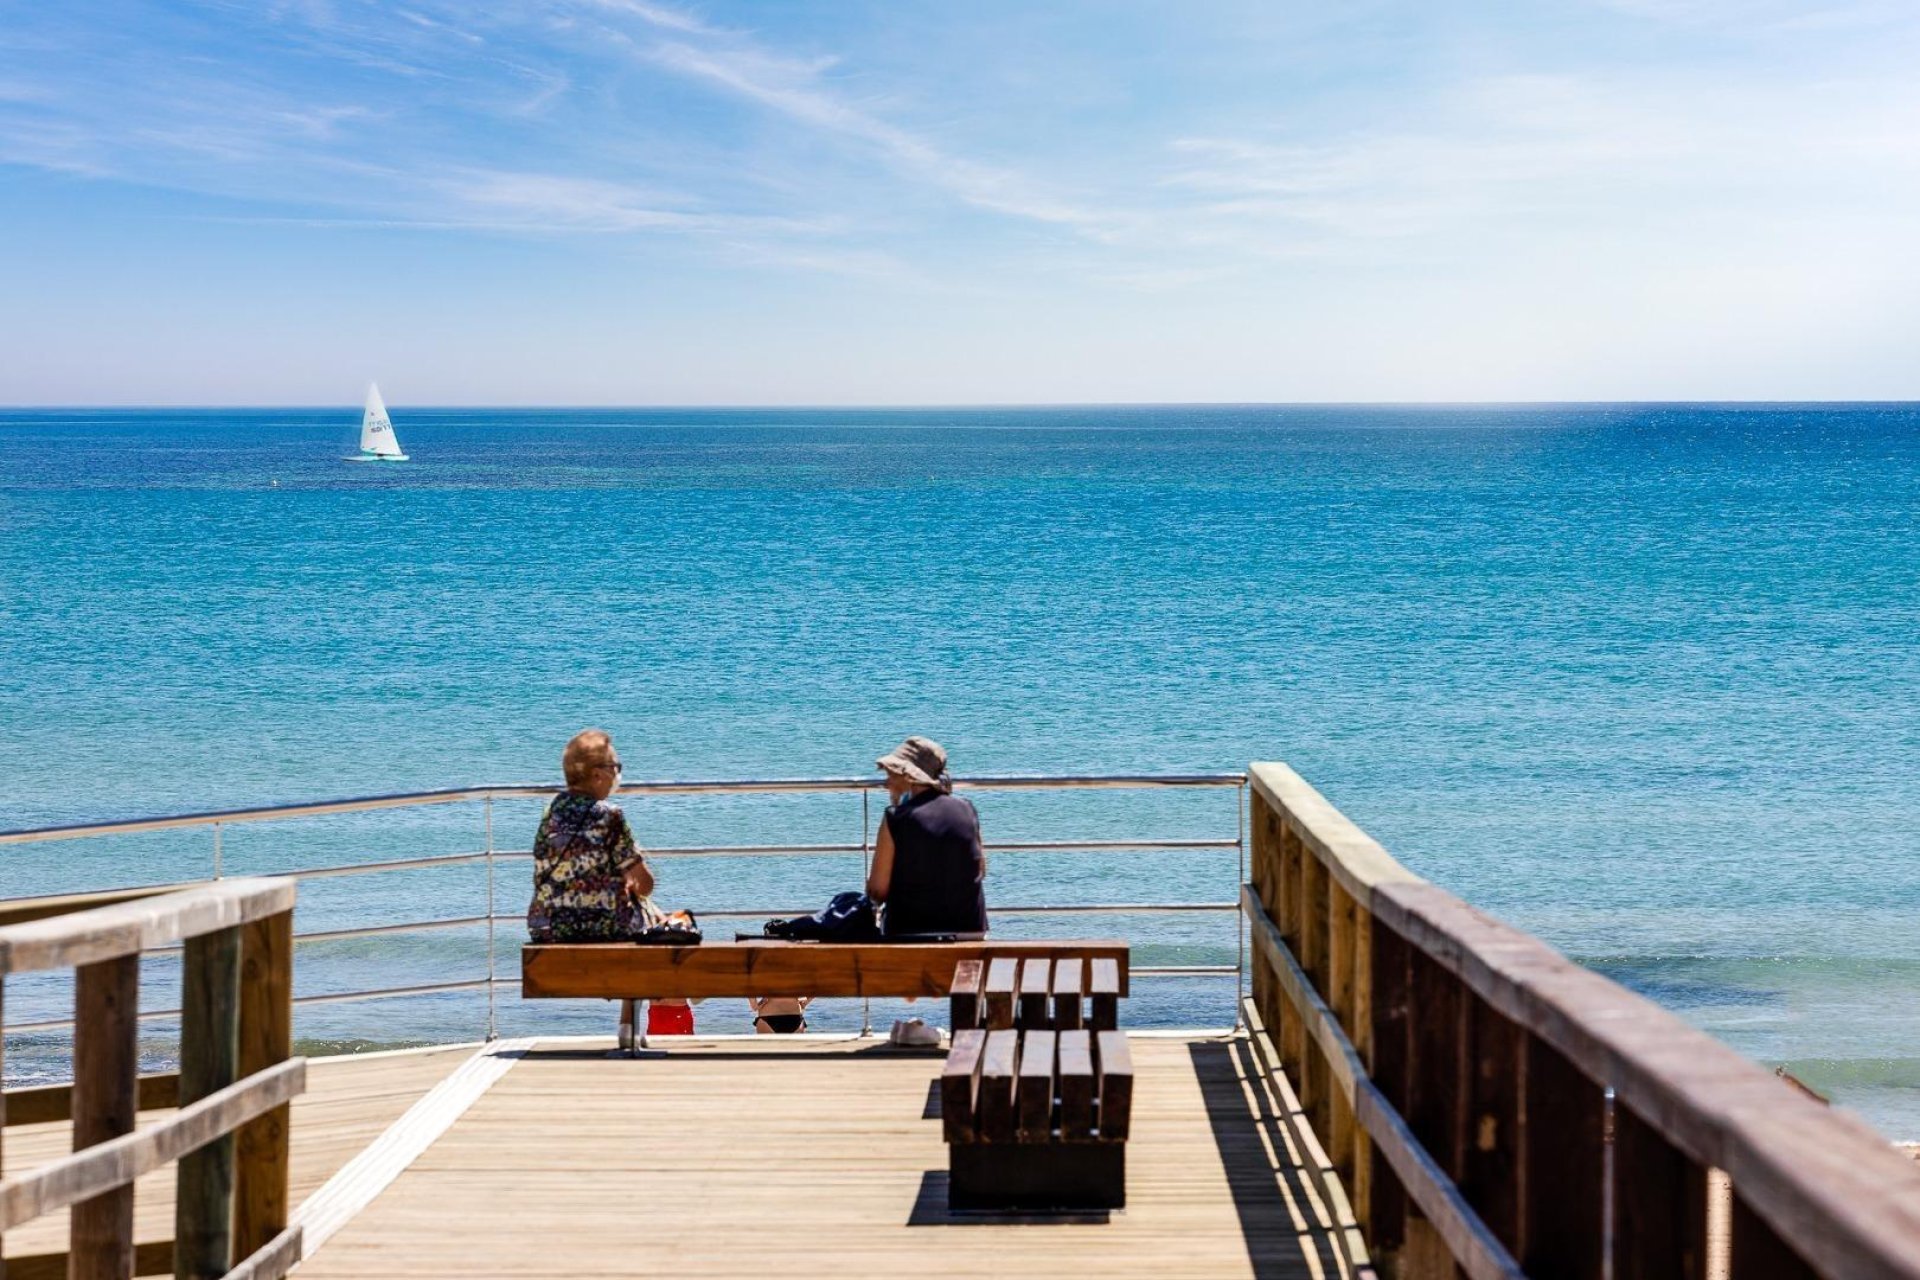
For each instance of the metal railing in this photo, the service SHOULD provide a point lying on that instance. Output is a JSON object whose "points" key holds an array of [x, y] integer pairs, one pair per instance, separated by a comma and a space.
{"points": [[215, 821]]}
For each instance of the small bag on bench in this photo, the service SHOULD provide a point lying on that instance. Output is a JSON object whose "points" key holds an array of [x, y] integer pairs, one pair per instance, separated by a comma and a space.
{"points": [[848, 918], [678, 930]]}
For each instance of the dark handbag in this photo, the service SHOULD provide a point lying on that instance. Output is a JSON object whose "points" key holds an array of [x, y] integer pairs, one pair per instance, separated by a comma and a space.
{"points": [[849, 917], [679, 930]]}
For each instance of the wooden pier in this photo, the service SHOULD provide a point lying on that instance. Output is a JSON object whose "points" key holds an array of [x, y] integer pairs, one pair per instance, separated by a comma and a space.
{"points": [[1419, 1092]]}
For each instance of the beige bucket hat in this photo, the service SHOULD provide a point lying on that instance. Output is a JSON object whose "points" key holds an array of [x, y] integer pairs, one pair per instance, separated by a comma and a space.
{"points": [[920, 759]]}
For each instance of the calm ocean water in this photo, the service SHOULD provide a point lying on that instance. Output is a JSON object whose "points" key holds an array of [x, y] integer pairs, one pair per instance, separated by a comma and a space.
{"points": [[1643, 679]]}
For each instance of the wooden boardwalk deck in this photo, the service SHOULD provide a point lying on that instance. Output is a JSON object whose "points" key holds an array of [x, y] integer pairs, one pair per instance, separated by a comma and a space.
{"points": [[805, 1158], [349, 1102]]}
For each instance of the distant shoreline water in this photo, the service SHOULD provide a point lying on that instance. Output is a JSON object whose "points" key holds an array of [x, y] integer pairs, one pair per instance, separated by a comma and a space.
{"points": [[1640, 679]]}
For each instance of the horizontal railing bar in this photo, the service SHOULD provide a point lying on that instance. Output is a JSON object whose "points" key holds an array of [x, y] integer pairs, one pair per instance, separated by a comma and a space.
{"points": [[141, 924], [453, 795]]}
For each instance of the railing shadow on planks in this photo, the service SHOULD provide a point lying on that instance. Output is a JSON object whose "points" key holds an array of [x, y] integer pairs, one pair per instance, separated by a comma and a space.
{"points": [[1478, 1104], [236, 1080]]}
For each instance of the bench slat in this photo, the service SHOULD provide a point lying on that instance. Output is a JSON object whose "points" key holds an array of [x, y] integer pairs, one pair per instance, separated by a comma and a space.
{"points": [[1067, 991], [1104, 995], [964, 998], [1076, 1084], [995, 1106], [623, 971], [1036, 977], [1002, 977], [960, 1082], [1116, 1085], [1035, 1090]]}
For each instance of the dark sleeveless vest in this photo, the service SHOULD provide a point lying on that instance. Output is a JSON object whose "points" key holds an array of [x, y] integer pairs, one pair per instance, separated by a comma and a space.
{"points": [[937, 866]]}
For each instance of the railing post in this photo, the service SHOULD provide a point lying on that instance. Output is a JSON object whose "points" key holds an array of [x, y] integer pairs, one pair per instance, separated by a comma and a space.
{"points": [[106, 1069], [1240, 988], [3, 1111], [1387, 1060], [1565, 1150], [266, 1038], [1659, 1205], [209, 1062], [1494, 1179], [493, 1027], [1265, 829], [1757, 1251]]}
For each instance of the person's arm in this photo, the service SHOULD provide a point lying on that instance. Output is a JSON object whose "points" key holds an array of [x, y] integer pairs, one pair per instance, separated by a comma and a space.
{"points": [[635, 876], [880, 874]]}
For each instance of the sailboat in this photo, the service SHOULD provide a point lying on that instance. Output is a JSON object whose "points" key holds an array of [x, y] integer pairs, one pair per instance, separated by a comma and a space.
{"points": [[377, 441]]}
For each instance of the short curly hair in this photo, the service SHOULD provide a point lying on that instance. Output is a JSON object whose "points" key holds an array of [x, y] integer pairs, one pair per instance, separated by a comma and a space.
{"points": [[589, 750]]}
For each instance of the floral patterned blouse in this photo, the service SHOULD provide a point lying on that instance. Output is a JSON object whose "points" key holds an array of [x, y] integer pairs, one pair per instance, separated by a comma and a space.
{"points": [[580, 855]]}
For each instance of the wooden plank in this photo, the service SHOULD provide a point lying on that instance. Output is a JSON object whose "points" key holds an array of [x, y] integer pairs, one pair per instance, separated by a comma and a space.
{"points": [[1355, 858], [1437, 1063], [143, 924], [209, 1062], [1758, 1253], [150, 1258], [1003, 976], [765, 967], [963, 999], [1105, 986], [1430, 1190], [1564, 1151], [271, 1260], [1385, 1213], [20, 910], [1113, 1063], [1069, 979], [106, 1062], [1034, 1091], [995, 1106], [1077, 1084], [1659, 1205], [1493, 1179], [52, 1103], [93, 1172], [1036, 991], [261, 1149], [960, 1084]]}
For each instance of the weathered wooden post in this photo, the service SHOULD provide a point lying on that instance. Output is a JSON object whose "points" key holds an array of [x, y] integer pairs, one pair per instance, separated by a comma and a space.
{"points": [[209, 1062], [266, 1038], [106, 1069]]}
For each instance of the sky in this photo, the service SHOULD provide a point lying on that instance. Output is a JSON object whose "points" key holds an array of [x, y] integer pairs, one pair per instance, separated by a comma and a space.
{"points": [[894, 202]]}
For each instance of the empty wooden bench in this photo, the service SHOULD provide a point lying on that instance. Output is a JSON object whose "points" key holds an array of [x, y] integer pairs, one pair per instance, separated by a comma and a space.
{"points": [[1036, 1097], [629, 972]]}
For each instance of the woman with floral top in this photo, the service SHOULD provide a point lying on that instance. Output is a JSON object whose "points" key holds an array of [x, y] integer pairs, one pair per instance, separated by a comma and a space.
{"points": [[590, 881]]}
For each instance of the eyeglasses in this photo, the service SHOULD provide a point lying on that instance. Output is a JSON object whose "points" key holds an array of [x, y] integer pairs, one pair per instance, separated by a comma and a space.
{"points": [[611, 764]]}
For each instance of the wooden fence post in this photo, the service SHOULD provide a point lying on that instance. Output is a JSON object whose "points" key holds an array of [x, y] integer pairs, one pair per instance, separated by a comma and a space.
{"points": [[1659, 1205], [1494, 1175], [106, 1069], [1387, 1208], [209, 1062], [1758, 1252], [1565, 1150], [266, 1038]]}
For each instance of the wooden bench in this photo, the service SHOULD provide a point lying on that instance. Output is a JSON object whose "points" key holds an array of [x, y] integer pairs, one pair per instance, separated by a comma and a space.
{"points": [[629, 972], [1036, 1098]]}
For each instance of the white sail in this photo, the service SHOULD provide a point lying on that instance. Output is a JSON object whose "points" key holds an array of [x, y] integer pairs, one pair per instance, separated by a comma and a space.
{"points": [[376, 429]]}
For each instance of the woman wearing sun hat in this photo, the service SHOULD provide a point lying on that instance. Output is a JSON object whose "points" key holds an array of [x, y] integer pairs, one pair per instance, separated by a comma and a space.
{"points": [[928, 867]]}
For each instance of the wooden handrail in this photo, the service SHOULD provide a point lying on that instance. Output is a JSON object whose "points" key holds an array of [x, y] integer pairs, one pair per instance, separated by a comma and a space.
{"points": [[236, 1080], [141, 924], [106, 1165], [1396, 1004]]}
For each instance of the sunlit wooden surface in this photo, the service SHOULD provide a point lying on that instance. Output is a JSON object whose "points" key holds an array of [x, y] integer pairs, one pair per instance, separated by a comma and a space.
{"points": [[349, 1102], [790, 1158]]}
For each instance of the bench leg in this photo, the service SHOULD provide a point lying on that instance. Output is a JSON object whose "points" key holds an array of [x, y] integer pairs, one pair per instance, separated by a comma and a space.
{"points": [[633, 1026]]}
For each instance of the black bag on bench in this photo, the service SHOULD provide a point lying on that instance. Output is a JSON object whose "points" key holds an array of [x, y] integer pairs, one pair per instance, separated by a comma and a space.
{"points": [[679, 930], [848, 918]]}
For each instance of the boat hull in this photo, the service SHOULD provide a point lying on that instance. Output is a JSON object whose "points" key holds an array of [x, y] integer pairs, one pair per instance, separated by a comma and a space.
{"points": [[377, 457]]}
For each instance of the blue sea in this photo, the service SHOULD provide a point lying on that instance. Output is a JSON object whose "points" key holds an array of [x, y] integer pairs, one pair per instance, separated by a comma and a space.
{"points": [[1644, 679]]}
